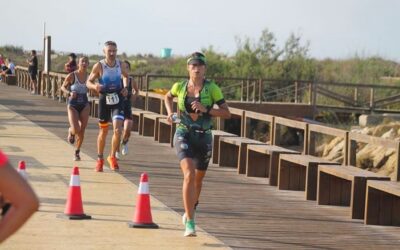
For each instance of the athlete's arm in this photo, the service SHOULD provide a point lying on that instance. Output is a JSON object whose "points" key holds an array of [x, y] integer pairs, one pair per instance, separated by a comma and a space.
{"points": [[67, 82], [222, 111], [22, 198], [135, 88], [125, 78], [94, 75], [168, 100]]}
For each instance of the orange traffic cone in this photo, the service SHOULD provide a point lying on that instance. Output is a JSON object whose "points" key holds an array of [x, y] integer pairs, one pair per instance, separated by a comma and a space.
{"points": [[74, 207], [21, 169], [142, 218]]}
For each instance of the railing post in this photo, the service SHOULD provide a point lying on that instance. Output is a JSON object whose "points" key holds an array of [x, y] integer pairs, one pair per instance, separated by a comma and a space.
{"points": [[296, 92], [242, 91], [247, 90], [272, 131], [310, 93], [254, 92], [352, 152], [397, 166], [371, 100], [146, 107], [260, 90], [54, 87], [346, 149], [355, 96], [39, 87], [311, 142]]}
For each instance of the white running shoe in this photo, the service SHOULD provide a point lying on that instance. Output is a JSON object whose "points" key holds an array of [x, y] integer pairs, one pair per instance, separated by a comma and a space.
{"points": [[117, 155], [124, 148]]}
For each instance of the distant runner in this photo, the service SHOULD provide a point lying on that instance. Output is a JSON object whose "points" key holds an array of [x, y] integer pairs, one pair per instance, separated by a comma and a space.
{"points": [[127, 107], [75, 89]]}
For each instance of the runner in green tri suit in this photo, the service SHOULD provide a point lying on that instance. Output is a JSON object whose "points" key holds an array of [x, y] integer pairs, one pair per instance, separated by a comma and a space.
{"points": [[193, 138]]}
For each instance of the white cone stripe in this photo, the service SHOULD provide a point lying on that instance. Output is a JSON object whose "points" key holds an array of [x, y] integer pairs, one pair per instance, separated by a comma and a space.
{"points": [[75, 181], [144, 188]]}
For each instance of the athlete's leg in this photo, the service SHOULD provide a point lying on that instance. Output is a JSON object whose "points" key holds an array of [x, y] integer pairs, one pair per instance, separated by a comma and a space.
{"points": [[101, 139], [199, 183], [84, 118], [127, 130], [74, 127], [188, 187], [117, 127]]}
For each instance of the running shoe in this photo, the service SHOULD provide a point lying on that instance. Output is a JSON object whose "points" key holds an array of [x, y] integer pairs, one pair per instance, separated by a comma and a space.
{"points": [[184, 217], [124, 148], [118, 155], [99, 165], [112, 161], [77, 157], [190, 229]]}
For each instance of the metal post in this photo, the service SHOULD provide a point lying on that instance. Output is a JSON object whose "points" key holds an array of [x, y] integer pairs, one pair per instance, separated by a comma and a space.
{"points": [[296, 92]]}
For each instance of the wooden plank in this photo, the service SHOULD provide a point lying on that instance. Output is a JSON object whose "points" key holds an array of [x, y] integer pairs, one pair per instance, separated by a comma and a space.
{"points": [[290, 123], [372, 208], [390, 187], [257, 164], [357, 203], [386, 204], [305, 159], [373, 140], [327, 130], [241, 167], [323, 188], [283, 175], [217, 134], [335, 186], [396, 211]]}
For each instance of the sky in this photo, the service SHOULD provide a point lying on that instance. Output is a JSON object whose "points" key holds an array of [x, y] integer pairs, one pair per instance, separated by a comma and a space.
{"points": [[336, 29]]}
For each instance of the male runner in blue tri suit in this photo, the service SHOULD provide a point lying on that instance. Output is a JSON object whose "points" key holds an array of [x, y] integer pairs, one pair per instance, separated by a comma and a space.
{"points": [[109, 72]]}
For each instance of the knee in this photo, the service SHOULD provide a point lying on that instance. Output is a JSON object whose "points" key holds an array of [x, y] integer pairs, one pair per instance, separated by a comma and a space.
{"points": [[103, 131], [117, 131], [189, 176]]}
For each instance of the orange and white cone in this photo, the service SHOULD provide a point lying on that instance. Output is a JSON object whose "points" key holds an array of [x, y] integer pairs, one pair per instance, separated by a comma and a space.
{"points": [[21, 169], [142, 217], [74, 208]]}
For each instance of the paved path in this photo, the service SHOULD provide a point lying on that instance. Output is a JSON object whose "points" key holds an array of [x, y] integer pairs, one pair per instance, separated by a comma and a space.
{"points": [[108, 197]]}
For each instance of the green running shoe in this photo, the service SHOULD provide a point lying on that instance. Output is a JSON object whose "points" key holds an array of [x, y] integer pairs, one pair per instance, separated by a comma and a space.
{"points": [[190, 230]]}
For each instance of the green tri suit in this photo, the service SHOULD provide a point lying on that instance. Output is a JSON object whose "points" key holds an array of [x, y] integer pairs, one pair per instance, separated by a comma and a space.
{"points": [[193, 139]]}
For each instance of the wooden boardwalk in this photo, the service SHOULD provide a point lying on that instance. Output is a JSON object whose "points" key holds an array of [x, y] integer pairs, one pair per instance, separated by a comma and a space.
{"points": [[243, 212]]}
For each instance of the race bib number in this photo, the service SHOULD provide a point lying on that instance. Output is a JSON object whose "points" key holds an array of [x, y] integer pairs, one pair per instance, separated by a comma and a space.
{"points": [[112, 99]]}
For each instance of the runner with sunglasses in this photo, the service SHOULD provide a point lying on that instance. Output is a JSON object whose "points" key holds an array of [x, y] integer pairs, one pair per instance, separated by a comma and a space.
{"points": [[193, 138]]}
